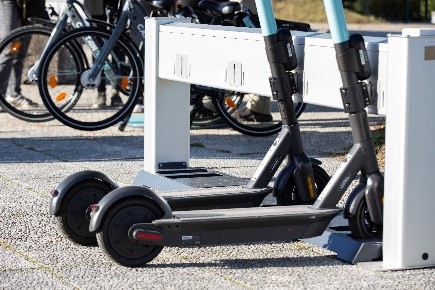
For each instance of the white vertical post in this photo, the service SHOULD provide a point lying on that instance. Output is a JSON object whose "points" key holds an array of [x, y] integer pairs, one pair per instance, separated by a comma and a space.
{"points": [[166, 107], [409, 223]]}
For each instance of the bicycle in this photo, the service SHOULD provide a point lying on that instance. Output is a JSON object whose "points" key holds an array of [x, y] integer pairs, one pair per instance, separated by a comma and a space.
{"points": [[86, 79], [115, 53], [29, 43]]}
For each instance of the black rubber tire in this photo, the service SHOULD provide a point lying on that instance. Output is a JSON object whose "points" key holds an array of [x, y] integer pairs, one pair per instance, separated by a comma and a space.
{"points": [[84, 116], [72, 219], [203, 115], [113, 237], [255, 129], [361, 226], [36, 36], [321, 178]]}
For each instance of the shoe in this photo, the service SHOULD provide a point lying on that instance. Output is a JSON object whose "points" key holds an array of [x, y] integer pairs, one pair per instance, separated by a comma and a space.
{"points": [[99, 101], [21, 102], [204, 114], [115, 101], [251, 116], [202, 120], [138, 108]]}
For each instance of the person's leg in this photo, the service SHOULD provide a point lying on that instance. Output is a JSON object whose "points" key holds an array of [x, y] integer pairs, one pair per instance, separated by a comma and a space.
{"points": [[15, 78], [257, 109], [258, 104], [11, 59], [98, 8], [11, 19]]}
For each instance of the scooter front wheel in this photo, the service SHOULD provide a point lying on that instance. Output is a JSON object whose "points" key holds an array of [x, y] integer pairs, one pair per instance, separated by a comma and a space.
{"points": [[361, 225], [72, 220], [321, 178], [113, 236]]}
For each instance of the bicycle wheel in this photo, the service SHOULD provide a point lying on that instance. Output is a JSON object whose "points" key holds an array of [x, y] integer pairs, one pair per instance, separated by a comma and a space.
{"points": [[20, 51], [203, 112], [62, 72], [252, 127]]}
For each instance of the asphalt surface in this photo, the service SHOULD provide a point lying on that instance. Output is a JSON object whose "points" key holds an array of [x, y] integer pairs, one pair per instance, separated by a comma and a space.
{"points": [[33, 254], [35, 157]]}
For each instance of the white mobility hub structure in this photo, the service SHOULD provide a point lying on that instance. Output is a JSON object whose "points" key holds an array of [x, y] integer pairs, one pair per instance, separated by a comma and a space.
{"points": [[409, 218], [179, 53]]}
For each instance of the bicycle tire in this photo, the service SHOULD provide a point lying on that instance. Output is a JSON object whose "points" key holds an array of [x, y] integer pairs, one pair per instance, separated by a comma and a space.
{"points": [[203, 112], [252, 128], [12, 44], [56, 84]]}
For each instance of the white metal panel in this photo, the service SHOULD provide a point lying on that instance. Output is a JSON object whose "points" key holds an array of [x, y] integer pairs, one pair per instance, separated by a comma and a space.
{"points": [[166, 108], [211, 53], [322, 78], [379, 100], [211, 50], [409, 216]]}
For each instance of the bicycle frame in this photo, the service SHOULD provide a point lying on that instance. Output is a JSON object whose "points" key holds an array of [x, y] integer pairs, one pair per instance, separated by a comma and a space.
{"points": [[132, 11], [73, 12]]}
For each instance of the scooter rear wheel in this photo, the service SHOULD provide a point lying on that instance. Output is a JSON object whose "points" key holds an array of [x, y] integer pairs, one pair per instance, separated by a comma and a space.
{"points": [[362, 226], [72, 220], [321, 178], [113, 237]]}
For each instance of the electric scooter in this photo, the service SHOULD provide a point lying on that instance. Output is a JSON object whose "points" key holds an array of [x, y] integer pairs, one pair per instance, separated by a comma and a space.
{"points": [[133, 224], [300, 181]]}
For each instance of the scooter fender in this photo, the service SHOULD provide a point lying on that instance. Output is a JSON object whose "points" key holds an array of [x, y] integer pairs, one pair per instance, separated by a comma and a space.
{"points": [[59, 193], [375, 196], [100, 210], [354, 199], [284, 175], [315, 161], [281, 180]]}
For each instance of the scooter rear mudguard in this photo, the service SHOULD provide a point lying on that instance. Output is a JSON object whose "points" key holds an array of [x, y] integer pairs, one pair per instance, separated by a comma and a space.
{"points": [[99, 210], [59, 193]]}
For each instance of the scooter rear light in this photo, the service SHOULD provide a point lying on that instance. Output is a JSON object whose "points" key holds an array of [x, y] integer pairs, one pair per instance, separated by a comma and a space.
{"points": [[94, 207], [54, 192], [147, 236]]}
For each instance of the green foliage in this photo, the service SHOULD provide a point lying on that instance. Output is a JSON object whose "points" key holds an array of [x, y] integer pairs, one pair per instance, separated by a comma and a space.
{"points": [[357, 11], [312, 11], [392, 10]]}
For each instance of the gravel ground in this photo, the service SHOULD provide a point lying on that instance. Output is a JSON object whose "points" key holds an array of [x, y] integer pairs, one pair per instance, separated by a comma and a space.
{"points": [[33, 254]]}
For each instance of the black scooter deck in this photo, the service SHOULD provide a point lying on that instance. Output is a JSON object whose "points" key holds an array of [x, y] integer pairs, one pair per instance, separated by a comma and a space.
{"points": [[229, 226], [201, 177], [216, 197]]}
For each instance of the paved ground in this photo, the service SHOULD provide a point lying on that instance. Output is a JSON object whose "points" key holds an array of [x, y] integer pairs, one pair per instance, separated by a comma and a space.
{"points": [[34, 255]]}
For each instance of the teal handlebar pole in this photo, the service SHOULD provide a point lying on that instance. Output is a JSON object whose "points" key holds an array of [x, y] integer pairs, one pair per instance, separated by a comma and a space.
{"points": [[266, 17], [337, 20]]}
